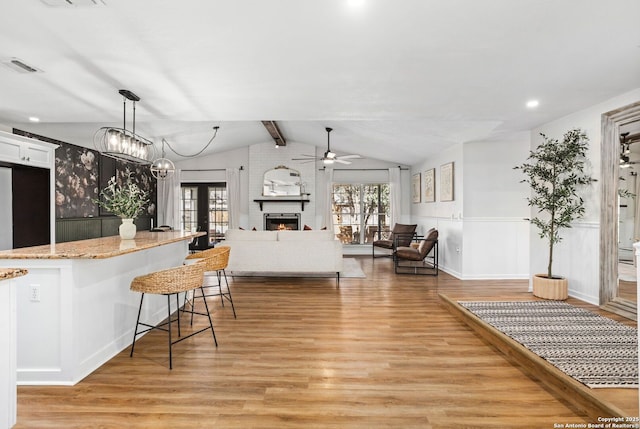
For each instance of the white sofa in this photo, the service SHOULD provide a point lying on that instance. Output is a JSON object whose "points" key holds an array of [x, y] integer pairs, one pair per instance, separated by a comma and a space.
{"points": [[283, 252]]}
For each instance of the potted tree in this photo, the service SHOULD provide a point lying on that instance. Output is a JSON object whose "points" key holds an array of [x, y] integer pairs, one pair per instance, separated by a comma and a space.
{"points": [[554, 171]]}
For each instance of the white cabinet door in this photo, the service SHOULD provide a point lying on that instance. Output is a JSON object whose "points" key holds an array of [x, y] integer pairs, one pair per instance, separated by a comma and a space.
{"points": [[10, 150], [38, 156]]}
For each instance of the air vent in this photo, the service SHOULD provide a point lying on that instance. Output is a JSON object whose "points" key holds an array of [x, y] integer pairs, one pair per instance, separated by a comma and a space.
{"points": [[20, 66], [73, 3]]}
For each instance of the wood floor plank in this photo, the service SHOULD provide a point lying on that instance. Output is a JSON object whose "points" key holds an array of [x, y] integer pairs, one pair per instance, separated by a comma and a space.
{"points": [[380, 352]]}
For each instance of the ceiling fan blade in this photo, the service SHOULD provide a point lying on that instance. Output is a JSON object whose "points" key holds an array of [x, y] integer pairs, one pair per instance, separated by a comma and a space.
{"points": [[305, 159], [350, 156], [341, 161]]}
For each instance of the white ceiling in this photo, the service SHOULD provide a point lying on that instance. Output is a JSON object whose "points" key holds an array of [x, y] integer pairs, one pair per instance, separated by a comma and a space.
{"points": [[397, 80]]}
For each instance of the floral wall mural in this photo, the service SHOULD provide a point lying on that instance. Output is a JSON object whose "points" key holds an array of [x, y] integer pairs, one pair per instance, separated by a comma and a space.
{"points": [[143, 178], [77, 171], [81, 173]]}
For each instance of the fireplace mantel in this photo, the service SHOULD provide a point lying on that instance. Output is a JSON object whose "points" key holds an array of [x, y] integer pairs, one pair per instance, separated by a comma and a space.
{"points": [[282, 200]]}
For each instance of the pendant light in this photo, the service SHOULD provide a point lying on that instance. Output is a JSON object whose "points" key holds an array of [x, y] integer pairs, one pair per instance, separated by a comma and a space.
{"points": [[121, 143]]}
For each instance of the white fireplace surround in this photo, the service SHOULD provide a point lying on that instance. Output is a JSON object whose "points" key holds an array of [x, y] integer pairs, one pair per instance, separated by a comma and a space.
{"points": [[264, 157]]}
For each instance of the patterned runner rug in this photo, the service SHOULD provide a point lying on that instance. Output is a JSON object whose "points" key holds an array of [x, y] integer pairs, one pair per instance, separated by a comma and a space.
{"points": [[593, 349]]}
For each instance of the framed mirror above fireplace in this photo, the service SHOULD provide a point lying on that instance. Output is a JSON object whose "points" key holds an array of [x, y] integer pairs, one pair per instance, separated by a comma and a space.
{"points": [[282, 182]]}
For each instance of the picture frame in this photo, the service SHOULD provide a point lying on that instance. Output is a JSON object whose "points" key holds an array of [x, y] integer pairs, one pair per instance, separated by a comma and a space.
{"points": [[430, 185], [446, 182], [415, 188]]}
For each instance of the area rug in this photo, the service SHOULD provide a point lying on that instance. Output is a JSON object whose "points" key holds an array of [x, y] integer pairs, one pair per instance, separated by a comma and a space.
{"points": [[595, 350], [350, 269]]}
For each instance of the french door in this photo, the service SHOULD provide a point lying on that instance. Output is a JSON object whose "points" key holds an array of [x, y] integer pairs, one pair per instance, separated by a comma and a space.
{"points": [[204, 208]]}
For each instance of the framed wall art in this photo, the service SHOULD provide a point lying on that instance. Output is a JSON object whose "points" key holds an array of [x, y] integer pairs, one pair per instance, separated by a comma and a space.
{"points": [[415, 188], [446, 182], [430, 185]]}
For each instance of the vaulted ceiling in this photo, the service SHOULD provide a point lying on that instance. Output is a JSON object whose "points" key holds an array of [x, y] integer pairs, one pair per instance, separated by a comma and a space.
{"points": [[396, 81]]}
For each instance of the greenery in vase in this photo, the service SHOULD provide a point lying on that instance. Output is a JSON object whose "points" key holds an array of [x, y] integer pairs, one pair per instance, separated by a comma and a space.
{"points": [[126, 201], [554, 171]]}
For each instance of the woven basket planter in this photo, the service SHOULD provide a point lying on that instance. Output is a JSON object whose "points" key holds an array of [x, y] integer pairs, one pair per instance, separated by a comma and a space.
{"points": [[555, 288]]}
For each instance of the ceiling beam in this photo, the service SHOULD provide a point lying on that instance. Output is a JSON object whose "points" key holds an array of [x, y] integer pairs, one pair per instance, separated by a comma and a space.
{"points": [[275, 133]]}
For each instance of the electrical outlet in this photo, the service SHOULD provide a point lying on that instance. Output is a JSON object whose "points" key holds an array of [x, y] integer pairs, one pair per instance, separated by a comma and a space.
{"points": [[34, 293]]}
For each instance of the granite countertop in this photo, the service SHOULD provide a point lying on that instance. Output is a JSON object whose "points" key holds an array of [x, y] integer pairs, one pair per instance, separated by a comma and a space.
{"points": [[99, 248], [10, 273]]}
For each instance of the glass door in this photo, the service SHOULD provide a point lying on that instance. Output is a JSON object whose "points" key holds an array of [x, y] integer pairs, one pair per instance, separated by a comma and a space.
{"points": [[203, 207]]}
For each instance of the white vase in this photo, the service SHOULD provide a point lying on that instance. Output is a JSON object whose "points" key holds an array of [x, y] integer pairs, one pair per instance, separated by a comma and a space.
{"points": [[127, 229]]}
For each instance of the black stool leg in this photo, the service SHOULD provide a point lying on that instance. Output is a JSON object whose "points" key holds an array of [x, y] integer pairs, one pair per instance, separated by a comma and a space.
{"points": [[169, 329], [135, 331], [193, 303], [206, 308], [177, 312], [219, 275], [229, 293]]}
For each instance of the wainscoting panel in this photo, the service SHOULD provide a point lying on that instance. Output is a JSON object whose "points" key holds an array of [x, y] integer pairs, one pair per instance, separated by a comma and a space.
{"points": [[495, 248], [576, 257], [94, 227], [77, 229]]}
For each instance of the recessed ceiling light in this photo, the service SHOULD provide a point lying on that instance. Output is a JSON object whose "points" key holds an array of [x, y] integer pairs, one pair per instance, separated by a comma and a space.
{"points": [[33, 119], [532, 104]]}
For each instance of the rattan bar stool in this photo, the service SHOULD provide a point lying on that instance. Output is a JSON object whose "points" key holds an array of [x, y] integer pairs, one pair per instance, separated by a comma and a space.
{"points": [[172, 281], [216, 260]]}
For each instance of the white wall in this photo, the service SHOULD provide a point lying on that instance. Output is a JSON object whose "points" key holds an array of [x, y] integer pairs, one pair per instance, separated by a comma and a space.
{"points": [[6, 214], [577, 257], [482, 233], [496, 234], [446, 216]]}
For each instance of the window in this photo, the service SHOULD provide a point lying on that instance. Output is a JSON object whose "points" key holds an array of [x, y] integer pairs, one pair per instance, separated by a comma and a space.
{"points": [[203, 207], [360, 212]]}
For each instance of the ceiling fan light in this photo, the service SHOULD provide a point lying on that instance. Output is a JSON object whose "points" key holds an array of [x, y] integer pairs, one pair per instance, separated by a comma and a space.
{"points": [[328, 160]]}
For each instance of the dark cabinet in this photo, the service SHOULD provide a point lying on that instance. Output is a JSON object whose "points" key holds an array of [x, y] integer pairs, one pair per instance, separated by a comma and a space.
{"points": [[31, 200]]}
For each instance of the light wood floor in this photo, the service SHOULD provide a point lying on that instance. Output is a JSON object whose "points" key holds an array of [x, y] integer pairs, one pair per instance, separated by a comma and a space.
{"points": [[380, 352]]}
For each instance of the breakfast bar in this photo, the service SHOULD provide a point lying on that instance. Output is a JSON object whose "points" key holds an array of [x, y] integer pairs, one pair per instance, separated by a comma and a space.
{"points": [[75, 310]]}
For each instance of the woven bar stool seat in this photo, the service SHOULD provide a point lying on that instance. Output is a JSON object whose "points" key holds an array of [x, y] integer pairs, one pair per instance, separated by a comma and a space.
{"points": [[216, 260], [172, 281]]}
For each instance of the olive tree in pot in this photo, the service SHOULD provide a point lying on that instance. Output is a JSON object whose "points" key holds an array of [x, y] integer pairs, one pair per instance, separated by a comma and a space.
{"points": [[554, 171]]}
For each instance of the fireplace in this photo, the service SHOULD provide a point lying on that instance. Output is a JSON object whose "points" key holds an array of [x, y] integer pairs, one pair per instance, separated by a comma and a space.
{"points": [[276, 221]]}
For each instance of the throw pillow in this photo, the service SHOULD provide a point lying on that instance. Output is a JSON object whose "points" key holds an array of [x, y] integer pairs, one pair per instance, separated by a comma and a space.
{"points": [[307, 228]]}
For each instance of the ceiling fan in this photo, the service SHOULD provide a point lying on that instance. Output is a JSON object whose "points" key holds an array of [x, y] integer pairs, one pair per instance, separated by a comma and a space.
{"points": [[329, 157]]}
